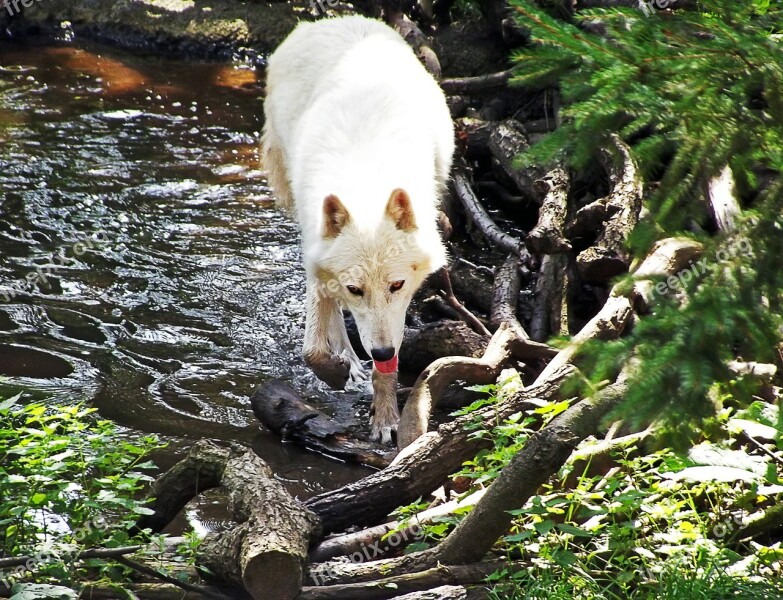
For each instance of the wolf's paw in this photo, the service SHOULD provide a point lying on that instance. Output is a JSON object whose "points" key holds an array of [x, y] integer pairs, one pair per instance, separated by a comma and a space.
{"points": [[385, 417], [382, 433], [332, 369], [358, 373]]}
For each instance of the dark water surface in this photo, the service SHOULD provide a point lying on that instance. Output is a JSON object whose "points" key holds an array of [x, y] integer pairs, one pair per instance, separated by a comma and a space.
{"points": [[143, 267]]}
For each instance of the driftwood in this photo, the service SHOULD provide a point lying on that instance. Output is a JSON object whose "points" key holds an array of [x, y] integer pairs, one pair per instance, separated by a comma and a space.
{"points": [[368, 542], [266, 553], [722, 198], [281, 409], [607, 258], [442, 338], [506, 141], [455, 304], [434, 380], [394, 585], [200, 470], [482, 220], [550, 298], [505, 292], [474, 85], [422, 467], [547, 236]]}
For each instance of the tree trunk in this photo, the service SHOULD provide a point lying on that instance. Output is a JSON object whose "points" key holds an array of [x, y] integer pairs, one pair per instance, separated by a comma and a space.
{"points": [[422, 467], [547, 236], [200, 470], [608, 257], [435, 378], [543, 454], [266, 553]]}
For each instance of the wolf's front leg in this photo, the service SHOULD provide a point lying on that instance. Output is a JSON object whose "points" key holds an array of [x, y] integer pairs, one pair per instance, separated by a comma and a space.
{"points": [[330, 367], [385, 414]]}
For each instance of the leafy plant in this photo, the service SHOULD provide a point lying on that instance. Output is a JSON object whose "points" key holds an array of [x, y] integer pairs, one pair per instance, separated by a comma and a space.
{"points": [[692, 92], [68, 481]]}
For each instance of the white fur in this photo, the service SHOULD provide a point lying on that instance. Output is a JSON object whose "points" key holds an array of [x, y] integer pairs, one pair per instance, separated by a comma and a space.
{"points": [[351, 112]]}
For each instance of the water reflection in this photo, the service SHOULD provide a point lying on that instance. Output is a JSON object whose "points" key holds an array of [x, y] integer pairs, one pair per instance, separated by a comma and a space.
{"points": [[167, 285]]}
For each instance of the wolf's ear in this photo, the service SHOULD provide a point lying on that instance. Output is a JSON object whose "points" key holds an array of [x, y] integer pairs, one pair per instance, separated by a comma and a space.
{"points": [[400, 211], [336, 216]]}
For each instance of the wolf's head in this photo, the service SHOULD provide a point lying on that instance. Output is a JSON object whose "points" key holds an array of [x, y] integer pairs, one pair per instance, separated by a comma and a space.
{"points": [[374, 273]]}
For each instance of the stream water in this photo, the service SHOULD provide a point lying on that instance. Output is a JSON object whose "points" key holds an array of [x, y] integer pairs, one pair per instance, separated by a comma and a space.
{"points": [[143, 267]]}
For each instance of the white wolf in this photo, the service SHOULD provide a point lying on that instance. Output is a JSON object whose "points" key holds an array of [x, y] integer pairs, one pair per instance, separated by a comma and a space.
{"points": [[358, 143]]}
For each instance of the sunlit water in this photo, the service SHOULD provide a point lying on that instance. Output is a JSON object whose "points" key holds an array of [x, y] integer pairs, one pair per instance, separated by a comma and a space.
{"points": [[143, 266]]}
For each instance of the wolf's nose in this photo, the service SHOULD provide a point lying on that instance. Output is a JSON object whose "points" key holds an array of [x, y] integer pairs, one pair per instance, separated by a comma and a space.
{"points": [[382, 354]]}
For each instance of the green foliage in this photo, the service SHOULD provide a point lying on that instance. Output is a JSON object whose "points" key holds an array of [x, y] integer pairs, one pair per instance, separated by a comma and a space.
{"points": [[655, 525], [691, 91], [68, 481]]}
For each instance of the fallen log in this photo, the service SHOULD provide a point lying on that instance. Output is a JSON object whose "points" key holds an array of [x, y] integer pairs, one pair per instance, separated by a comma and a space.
{"points": [[482, 220], [589, 219], [281, 409], [419, 470], [608, 258], [266, 553], [434, 380], [359, 542], [505, 292], [478, 84], [543, 454], [200, 470], [668, 257], [550, 303], [507, 141], [435, 340], [474, 135], [400, 584], [547, 236], [443, 592], [722, 198]]}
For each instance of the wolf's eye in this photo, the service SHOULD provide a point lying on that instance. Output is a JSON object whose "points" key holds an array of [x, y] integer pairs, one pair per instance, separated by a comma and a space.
{"points": [[355, 290], [396, 286]]}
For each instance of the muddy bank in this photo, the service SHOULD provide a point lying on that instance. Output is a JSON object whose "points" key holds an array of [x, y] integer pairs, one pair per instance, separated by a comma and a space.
{"points": [[221, 29], [173, 27]]}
